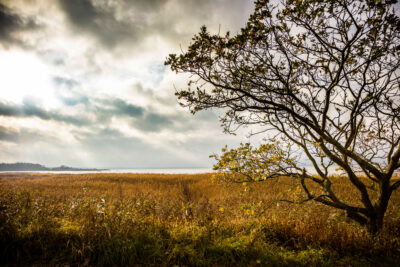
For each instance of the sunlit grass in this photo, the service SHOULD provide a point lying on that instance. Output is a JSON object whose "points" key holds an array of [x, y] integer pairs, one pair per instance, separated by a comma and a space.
{"points": [[156, 219]]}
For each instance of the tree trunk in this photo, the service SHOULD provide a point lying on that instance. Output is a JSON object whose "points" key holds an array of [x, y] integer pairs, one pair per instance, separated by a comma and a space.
{"points": [[375, 221], [374, 225]]}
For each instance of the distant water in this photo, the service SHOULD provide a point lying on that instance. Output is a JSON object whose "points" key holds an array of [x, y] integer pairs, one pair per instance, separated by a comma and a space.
{"points": [[166, 171], [310, 169]]}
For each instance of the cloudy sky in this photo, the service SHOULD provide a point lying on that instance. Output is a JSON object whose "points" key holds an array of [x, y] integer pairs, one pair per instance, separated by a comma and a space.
{"points": [[83, 82]]}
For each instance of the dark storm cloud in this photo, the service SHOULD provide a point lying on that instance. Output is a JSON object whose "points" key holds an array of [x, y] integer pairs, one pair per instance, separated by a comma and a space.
{"points": [[97, 21], [73, 101], [153, 122], [147, 5], [120, 107], [9, 110], [144, 119], [102, 109], [173, 20], [31, 109], [177, 122], [12, 23]]}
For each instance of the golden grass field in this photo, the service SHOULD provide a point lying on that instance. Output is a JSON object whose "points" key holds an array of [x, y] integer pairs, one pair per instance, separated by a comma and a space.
{"points": [[186, 220]]}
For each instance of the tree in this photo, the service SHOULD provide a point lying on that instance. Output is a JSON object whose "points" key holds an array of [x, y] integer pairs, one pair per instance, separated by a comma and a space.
{"points": [[321, 79]]}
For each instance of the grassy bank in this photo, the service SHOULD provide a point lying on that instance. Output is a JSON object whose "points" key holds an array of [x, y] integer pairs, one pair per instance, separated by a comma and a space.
{"points": [[154, 219]]}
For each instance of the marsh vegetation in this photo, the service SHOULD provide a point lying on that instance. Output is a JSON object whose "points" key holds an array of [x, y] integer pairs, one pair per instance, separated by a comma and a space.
{"points": [[189, 220]]}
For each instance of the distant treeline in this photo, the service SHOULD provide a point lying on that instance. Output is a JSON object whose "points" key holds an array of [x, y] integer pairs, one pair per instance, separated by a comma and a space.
{"points": [[21, 166]]}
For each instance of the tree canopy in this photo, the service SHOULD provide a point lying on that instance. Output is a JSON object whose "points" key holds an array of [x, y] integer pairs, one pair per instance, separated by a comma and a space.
{"points": [[321, 79]]}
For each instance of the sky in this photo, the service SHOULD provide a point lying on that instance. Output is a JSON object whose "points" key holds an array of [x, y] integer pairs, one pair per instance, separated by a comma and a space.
{"points": [[83, 84]]}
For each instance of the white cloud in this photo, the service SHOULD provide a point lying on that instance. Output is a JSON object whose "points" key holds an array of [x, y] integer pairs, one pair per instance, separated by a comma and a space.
{"points": [[87, 87]]}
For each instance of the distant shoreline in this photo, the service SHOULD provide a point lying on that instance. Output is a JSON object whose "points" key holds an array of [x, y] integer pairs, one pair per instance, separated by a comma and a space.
{"points": [[120, 171], [32, 167]]}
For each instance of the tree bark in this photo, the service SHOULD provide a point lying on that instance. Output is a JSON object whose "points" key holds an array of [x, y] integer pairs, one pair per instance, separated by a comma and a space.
{"points": [[375, 225], [375, 221]]}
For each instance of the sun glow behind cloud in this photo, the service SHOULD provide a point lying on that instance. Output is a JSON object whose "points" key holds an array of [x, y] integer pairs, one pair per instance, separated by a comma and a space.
{"points": [[24, 75], [83, 82]]}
